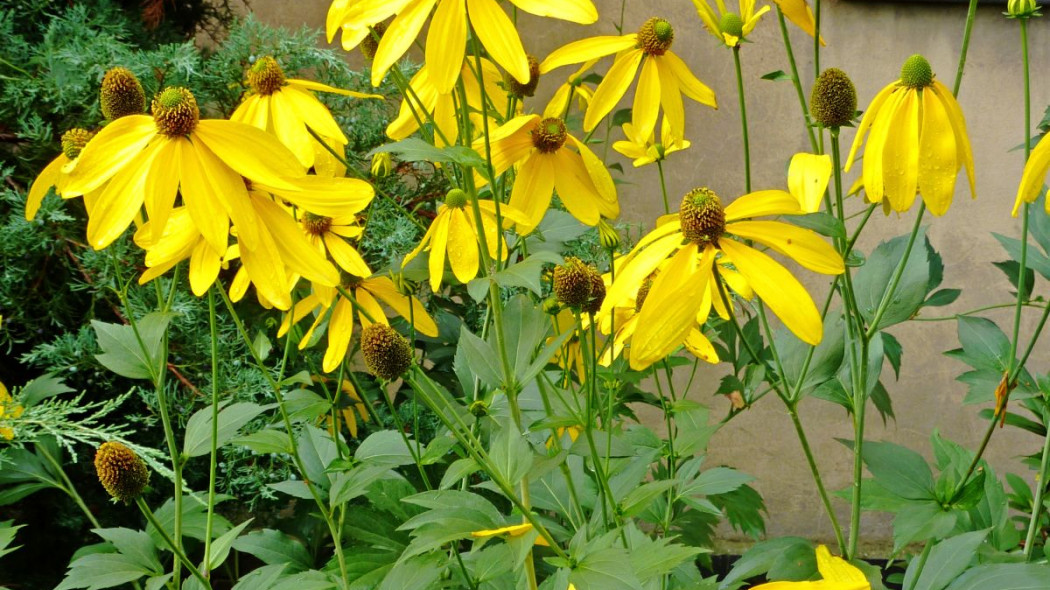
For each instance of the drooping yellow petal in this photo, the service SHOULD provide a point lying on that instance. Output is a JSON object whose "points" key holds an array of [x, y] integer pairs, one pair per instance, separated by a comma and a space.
{"points": [[200, 197], [340, 330], [958, 122], [708, 16], [230, 192], [1034, 174], [296, 252], [798, 12], [314, 113], [749, 24], [204, 267], [630, 276], [873, 168], [671, 101], [266, 271], [808, 176], [609, 204], [162, 183], [462, 247], [47, 178], [346, 256], [938, 167], [500, 38], [759, 203], [646, 99], [839, 572], [781, 291], [120, 201], [901, 155], [110, 150], [319, 87], [400, 36], [587, 49], [290, 128], [327, 196], [613, 87], [578, 11], [253, 153], [701, 347], [574, 186], [804, 246], [669, 312], [866, 121], [533, 188], [438, 242], [446, 44]]}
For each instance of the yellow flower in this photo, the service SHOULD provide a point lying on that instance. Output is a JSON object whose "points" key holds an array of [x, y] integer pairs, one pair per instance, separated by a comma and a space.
{"points": [[427, 99], [368, 293], [515, 530], [663, 80], [348, 406], [573, 87], [916, 141], [836, 574], [382, 164], [8, 411], [147, 160], [808, 176], [56, 173], [287, 108], [542, 149], [646, 150], [455, 233], [798, 12], [1033, 176], [691, 245], [447, 38], [729, 27]]}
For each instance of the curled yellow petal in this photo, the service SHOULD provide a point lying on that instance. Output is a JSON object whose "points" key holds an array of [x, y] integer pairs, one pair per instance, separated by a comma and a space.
{"points": [[808, 176]]}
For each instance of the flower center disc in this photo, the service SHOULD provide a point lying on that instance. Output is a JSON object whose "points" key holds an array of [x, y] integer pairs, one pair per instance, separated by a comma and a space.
{"points": [[702, 217], [732, 24], [265, 76], [121, 94], [175, 111], [316, 225], [74, 140], [549, 135], [456, 199], [916, 72], [655, 36]]}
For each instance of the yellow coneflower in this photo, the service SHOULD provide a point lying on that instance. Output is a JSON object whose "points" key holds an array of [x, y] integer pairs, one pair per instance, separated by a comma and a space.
{"points": [[835, 573], [56, 173], [646, 150], [121, 471], [730, 27]]}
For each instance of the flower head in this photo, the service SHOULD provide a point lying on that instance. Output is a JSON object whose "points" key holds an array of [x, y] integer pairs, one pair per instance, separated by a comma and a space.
{"points": [[915, 142], [833, 102], [729, 27], [387, 353], [685, 249], [549, 158], [121, 471], [1022, 9], [121, 94], [288, 108], [646, 150], [56, 173], [663, 80], [836, 574], [446, 41]]}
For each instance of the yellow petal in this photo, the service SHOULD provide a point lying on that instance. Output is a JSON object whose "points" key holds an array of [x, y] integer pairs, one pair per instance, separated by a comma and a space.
{"points": [[1034, 174], [646, 99], [749, 24], [500, 38], [47, 178], [296, 252], [462, 247], [162, 183], [512, 531], [958, 122], [120, 201], [230, 192], [204, 268], [578, 11], [781, 291], [370, 310], [798, 12], [689, 84], [407, 307], [201, 198], [340, 329], [808, 176], [937, 150], [327, 196], [840, 572], [109, 151], [438, 241], [399, 37], [313, 113], [319, 87], [267, 272], [866, 122], [901, 155], [446, 44], [613, 87], [254, 154], [533, 187], [669, 312], [701, 347], [558, 104], [575, 187], [509, 143], [873, 169], [708, 16], [804, 246], [759, 203], [290, 128], [587, 49], [346, 256], [630, 277], [609, 204]]}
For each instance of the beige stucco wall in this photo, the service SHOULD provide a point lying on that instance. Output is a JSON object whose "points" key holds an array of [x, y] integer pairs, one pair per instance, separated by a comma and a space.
{"points": [[869, 40]]}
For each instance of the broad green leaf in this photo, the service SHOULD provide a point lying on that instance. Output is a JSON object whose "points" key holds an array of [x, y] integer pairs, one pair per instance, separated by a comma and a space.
{"points": [[608, 569], [525, 326], [414, 149], [261, 579], [763, 557], [1003, 576], [418, 573], [231, 418], [265, 441], [102, 570], [458, 470], [135, 545], [942, 297], [305, 405], [1035, 260], [826, 359], [354, 483], [873, 279], [194, 520], [899, 469], [42, 388], [921, 520], [480, 357], [638, 499], [556, 228], [274, 547], [822, 223], [386, 447], [777, 76], [718, 480], [159, 582], [131, 355], [308, 580], [947, 560], [510, 453], [316, 450]]}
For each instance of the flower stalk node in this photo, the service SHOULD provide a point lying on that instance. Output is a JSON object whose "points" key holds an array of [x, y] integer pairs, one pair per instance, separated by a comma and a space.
{"points": [[175, 111], [702, 216]]}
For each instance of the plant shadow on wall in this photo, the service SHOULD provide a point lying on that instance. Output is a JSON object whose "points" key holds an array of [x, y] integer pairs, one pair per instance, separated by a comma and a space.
{"points": [[301, 334]]}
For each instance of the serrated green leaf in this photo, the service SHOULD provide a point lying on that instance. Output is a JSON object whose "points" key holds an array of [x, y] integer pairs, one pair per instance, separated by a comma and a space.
{"points": [[1003, 576], [874, 278], [122, 351], [102, 570], [414, 149], [42, 388], [899, 469], [135, 545], [511, 454], [480, 357], [608, 569]]}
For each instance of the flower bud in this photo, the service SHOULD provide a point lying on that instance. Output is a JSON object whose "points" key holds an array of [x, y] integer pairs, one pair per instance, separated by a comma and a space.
{"points": [[121, 471], [607, 235], [597, 296], [519, 90], [382, 164], [387, 353], [479, 408], [1022, 9], [833, 102]]}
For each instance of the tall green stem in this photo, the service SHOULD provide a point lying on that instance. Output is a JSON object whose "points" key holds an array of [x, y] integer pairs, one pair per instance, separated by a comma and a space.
{"points": [[821, 490], [816, 39], [796, 80], [971, 14], [743, 119], [663, 188], [175, 547], [213, 457], [1040, 489]]}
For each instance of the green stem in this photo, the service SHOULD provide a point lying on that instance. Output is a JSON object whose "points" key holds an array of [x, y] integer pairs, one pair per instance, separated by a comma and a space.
{"points": [[922, 563], [743, 118], [213, 457], [816, 39], [663, 188], [891, 289], [811, 460], [175, 547], [971, 14], [795, 78], [68, 486], [975, 311], [1040, 488]]}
